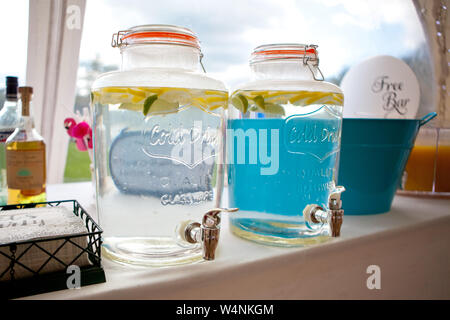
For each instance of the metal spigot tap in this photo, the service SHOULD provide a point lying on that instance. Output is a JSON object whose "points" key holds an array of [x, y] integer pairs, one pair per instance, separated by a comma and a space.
{"points": [[334, 215], [207, 233]]}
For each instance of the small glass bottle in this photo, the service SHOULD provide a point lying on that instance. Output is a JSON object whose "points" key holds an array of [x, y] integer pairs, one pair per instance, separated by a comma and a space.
{"points": [[283, 142], [25, 158], [9, 121]]}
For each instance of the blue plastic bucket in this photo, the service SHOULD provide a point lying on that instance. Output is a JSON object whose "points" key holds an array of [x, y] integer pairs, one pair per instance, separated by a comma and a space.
{"points": [[373, 156]]}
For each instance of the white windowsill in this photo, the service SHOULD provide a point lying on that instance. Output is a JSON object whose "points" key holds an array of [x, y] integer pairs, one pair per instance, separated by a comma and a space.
{"points": [[411, 244]]}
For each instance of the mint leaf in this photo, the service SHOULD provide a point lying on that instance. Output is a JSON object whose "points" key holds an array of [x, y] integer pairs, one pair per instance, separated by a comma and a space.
{"points": [[148, 103]]}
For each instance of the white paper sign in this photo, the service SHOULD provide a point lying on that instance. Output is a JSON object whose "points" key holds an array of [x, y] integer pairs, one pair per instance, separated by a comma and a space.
{"points": [[381, 87]]}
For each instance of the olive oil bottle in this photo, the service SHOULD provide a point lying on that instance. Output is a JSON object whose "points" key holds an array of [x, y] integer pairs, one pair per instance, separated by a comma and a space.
{"points": [[25, 158]]}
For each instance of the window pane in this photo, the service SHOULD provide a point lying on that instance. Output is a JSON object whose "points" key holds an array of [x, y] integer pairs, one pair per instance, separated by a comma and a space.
{"points": [[347, 32], [13, 54]]}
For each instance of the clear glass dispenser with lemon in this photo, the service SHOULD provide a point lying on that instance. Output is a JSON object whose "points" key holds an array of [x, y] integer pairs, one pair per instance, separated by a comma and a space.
{"points": [[283, 141], [158, 146]]}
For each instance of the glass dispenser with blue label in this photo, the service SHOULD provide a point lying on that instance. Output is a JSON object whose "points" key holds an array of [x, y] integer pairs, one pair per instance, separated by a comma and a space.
{"points": [[283, 141]]}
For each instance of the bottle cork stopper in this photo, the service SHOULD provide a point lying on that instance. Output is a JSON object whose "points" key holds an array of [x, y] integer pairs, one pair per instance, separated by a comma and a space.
{"points": [[11, 88], [25, 96]]}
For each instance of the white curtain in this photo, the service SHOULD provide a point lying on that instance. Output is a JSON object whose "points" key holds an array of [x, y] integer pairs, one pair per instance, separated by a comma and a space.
{"points": [[435, 19], [54, 37]]}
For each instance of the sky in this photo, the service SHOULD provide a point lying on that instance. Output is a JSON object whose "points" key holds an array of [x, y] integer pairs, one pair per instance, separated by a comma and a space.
{"points": [[13, 52], [347, 31]]}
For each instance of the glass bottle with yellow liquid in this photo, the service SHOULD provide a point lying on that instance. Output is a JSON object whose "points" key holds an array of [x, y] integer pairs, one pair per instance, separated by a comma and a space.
{"points": [[25, 158]]}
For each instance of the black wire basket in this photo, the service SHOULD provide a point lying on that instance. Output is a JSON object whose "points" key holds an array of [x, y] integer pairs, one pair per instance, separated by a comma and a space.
{"points": [[38, 281]]}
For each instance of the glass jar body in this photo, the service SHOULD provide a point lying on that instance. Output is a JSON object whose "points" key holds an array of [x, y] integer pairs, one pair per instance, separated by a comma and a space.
{"points": [[158, 127], [283, 138]]}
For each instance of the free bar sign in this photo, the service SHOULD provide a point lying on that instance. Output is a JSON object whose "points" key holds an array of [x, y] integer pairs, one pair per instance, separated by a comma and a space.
{"points": [[381, 87]]}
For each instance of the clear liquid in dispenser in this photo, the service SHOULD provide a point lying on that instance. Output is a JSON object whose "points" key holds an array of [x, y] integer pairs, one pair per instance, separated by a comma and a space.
{"points": [[158, 152]]}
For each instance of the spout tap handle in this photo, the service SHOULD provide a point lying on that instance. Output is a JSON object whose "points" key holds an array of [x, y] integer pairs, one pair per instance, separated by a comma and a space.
{"points": [[336, 212], [336, 219], [211, 219], [334, 200], [211, 231], [207, 233]]}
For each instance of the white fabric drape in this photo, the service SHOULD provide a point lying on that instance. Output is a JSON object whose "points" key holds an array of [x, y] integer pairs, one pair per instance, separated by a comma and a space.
{"points": [[54, 38]]}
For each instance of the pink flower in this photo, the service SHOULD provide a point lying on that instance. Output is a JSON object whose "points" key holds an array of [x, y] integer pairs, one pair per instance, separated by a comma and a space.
{"points": [[80, 130], [82, 133]]}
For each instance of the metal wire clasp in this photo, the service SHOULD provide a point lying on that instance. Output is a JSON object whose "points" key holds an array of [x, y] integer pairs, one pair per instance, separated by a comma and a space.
{"points": [[201, 62], [315, 61], [116, 40]]}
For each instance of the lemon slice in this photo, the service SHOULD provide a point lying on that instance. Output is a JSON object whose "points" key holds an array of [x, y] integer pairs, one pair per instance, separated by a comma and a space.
{"points": [[181, 96], [136, 93], [212, 102], [112, 95], [131, 106], [200, 103], [115, 98], [306, 98], [260, 93], [151, 106], [216, 100], [147, 99], [274, 109], [240, 102], [259, 100], [217, 106], [280, 97], [150, 90], [161, 106], [256, 108], [114, 90]]}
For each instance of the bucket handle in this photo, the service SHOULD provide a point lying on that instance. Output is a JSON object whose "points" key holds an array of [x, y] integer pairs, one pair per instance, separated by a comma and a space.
{"points": [[427, 118]]}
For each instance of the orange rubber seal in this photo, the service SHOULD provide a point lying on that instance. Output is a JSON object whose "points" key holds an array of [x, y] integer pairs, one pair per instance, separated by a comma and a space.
{"points": [[156, 34], [269, 52]]}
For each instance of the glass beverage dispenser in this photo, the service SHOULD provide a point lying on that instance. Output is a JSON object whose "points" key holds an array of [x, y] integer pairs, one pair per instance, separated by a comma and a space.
{"points": [[158, 147], [283, 141]]}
